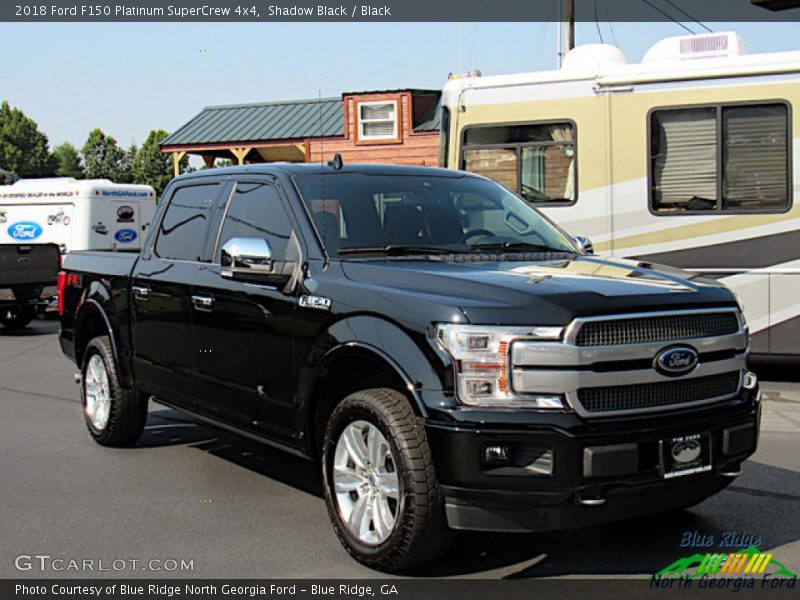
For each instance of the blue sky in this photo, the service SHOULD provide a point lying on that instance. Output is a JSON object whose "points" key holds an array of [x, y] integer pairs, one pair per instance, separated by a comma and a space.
{"points": [[130, 78]]}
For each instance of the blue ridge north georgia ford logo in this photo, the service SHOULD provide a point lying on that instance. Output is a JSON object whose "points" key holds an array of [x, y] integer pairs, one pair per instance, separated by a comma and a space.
{"points": [[24, 230], [675, 361]]}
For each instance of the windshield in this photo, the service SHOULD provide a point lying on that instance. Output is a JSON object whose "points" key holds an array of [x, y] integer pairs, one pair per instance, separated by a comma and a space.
{"points": [[357, 213]]}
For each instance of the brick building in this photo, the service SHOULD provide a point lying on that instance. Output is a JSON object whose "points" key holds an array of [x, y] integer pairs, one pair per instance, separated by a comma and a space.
{"points": [[393, 126]]}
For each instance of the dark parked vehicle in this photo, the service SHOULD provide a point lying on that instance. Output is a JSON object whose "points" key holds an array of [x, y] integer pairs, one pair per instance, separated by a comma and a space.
{"points": [[454, 359], [27, 280]]}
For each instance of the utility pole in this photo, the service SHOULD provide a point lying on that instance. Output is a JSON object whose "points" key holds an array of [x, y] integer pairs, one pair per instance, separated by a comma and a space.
{"points": [[565, 30], [570, 24]]}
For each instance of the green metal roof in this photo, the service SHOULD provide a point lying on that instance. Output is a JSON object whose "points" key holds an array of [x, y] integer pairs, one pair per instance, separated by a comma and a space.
{"points": [[264, 121]]}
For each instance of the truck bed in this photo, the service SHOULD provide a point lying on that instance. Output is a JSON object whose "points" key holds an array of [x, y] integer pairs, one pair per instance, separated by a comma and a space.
{"points": [[101, 262]]}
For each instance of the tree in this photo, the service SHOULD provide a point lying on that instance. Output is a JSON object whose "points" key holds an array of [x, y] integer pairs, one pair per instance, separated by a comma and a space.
{"points": [[104, 159], [126, 165], [151, 166], [69, 161], [7, 177], [23, 148]]}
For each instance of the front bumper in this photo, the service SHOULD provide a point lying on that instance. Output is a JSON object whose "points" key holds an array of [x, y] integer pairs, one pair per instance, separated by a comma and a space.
{"points": [[592, 472]]}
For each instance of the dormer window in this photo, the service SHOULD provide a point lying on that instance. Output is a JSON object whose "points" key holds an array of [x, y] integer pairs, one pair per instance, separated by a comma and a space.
{"points": [[377, 120]]}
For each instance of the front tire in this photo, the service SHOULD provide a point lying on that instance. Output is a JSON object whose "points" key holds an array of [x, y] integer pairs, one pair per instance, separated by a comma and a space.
{"points": [[115, 415], [380, 485]]}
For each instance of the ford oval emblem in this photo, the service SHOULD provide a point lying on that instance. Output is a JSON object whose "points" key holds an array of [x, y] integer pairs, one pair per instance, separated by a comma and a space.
{"points": [[125, 236], [675, 361], [24, 230]]}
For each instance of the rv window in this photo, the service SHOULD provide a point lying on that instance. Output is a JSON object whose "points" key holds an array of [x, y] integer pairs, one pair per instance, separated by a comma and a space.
{"points": [[535, 160], [182, 233], [719, 158]]}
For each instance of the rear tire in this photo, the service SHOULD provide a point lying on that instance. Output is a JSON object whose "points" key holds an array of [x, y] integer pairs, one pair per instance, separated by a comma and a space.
{"points": [[381, 489], [17, 317], [115, 415]]}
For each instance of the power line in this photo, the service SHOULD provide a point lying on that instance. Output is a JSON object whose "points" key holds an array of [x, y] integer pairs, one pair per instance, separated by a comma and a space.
{"points": [[670, 17], [472, 46], [597, 24], [610, 26], [542, 35], [686, 14]]}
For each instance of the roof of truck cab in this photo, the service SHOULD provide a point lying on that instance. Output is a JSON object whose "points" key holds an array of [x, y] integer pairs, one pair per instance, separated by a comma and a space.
{"points": [[292, 169]]}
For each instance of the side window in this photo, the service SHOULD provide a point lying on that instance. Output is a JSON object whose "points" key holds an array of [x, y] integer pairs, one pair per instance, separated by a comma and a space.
{"points": [[719, 158], [182, 233], [255, 210], [535, 160]]}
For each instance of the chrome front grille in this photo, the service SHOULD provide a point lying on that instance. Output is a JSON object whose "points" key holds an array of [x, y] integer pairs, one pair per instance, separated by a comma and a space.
{"points": [[651, 396], [645, 329], [605, 366]]}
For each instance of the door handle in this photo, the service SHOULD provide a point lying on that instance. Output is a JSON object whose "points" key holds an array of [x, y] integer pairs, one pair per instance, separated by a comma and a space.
{"points": [[141, 293], [204, 303]]}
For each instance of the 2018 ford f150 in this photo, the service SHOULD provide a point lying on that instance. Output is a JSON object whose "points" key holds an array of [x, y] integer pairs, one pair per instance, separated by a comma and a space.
{"points": [[453, 358]]}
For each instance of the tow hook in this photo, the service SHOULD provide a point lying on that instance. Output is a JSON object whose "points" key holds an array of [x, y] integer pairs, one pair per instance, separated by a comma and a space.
{"points": [[590, 500], [732, 473], [78, 378]]}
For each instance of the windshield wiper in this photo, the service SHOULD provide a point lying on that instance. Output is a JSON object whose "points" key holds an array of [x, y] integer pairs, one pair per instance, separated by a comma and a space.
{"points": [[517, 246], [395, 250]]}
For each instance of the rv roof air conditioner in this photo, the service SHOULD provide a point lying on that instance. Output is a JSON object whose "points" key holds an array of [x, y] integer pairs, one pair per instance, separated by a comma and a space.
{"points": [[689, 47], [589, 57]]}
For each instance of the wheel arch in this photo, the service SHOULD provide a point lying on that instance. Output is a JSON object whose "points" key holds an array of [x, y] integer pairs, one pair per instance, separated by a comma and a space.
{"points": [[348, 368], [90, 323]]}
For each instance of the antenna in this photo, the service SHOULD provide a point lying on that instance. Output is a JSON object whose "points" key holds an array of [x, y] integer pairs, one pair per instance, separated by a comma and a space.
{"points": [[322, 179]]}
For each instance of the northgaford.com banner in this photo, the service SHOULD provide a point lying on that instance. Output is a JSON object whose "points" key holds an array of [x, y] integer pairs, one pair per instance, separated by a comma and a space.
{"points": [[388, 10]]}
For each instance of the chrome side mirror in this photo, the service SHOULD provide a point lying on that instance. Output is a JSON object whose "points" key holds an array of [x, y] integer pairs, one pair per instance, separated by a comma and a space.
{"points": [[584, 244], [246, 258]]}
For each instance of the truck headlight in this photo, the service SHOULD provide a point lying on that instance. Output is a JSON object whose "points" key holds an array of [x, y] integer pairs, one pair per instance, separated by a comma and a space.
{"points": [[480, 354]]}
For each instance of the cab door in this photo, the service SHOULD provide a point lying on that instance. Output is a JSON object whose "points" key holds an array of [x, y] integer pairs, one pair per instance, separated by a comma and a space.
{"points": [[243, 331], [163, 357]]}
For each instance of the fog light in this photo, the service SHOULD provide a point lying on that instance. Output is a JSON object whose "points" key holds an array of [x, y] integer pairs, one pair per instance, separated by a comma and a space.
{"points": [[479, 387], [750, 380], [496, 454]]}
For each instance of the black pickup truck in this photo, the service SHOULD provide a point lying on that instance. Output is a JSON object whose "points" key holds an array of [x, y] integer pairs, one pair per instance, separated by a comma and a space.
{"points": [[453, 358], [27, 279]]}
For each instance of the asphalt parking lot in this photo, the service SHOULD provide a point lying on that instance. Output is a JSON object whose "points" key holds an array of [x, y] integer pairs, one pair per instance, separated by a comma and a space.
{"points": [[235, 508]]}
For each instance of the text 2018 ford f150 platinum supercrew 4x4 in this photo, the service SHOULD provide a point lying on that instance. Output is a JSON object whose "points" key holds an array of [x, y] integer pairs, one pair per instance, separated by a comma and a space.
{"points": [[454, 359]]}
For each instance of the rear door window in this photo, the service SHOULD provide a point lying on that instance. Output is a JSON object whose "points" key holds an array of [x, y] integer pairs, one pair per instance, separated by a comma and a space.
{"points": [[183, 230]]}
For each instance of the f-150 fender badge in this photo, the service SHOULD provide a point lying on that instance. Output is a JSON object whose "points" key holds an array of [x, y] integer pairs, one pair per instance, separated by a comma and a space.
{"points": [[316, 302]]}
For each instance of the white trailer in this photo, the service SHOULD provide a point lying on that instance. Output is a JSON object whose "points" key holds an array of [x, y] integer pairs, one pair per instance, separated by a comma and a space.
{"points": [[90, 214]]}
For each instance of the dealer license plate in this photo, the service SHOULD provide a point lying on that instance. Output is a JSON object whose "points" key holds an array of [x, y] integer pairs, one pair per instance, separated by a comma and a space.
{"points": [[685, 455]]}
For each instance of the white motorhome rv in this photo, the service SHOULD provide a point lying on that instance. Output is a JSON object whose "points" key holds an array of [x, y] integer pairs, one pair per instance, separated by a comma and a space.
{"points": [[90, 214], [686, 159]]}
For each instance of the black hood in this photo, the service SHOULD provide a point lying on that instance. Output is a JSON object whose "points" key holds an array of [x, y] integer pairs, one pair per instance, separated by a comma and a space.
{"points": [[547, 292]]}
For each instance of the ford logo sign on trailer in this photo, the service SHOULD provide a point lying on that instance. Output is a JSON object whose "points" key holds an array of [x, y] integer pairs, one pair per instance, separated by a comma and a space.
{"points": [[125, 236], [675, 361], [24, 230]]}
